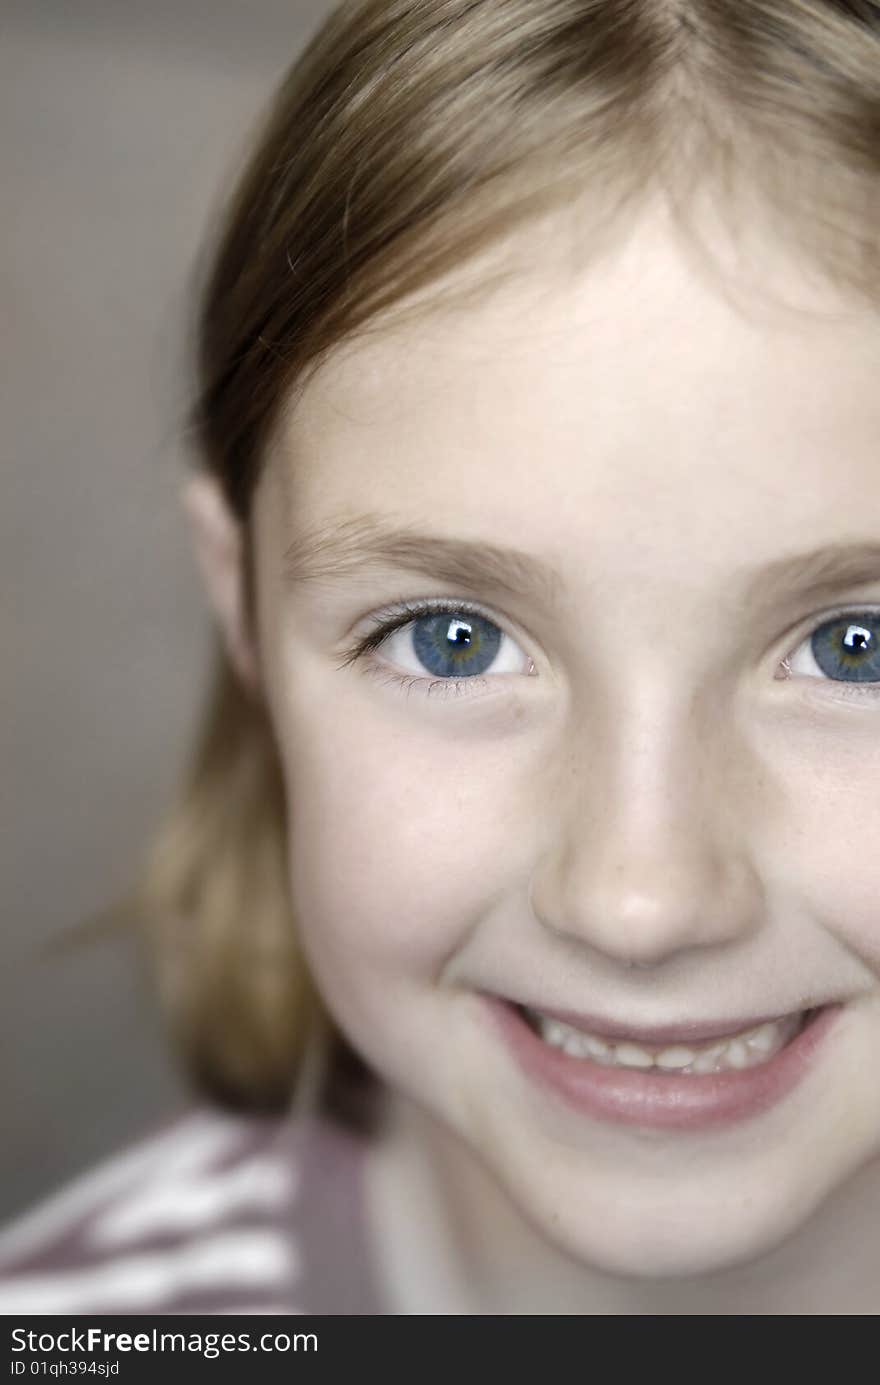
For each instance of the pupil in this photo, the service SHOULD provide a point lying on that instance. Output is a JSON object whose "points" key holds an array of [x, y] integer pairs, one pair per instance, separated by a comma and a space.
{"points": [[856, 638]]}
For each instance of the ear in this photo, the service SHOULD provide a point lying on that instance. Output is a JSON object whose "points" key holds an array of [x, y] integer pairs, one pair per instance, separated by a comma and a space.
{"points": [[217, 539]]}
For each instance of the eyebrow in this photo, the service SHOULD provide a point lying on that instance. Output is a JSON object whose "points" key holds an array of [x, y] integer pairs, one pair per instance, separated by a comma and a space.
{"points": [[347, 546], [344, 548], [815, 574]]}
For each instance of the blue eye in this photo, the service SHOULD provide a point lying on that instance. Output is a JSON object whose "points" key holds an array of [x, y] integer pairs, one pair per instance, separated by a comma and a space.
{"points": [[455, 646], [437, 643], [846, 649]]}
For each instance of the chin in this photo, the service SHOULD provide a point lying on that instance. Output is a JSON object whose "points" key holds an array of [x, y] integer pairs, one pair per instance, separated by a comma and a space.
{"points": [[678, 1252], [629, 1234]]}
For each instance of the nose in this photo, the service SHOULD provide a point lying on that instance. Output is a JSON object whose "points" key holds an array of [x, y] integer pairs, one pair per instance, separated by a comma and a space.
{"points": [[649, 843]]}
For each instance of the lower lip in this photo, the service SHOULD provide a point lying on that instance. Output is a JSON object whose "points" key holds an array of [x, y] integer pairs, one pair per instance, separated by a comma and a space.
{"points": [[662, 1100]]}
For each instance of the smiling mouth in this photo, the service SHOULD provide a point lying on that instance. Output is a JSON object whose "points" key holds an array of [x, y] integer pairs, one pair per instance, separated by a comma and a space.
{"points": [[746, 1048]]}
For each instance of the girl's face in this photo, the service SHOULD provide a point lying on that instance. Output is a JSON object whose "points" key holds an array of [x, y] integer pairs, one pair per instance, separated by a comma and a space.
{"points": [[591, 784]]}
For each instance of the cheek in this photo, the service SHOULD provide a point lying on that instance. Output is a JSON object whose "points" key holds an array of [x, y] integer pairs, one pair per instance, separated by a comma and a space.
{"points": [[400, 840], [842, 870], [826, 846]]}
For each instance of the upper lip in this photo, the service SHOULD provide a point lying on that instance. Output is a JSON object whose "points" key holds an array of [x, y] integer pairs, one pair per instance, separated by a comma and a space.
{"points": [[685, 1031]]}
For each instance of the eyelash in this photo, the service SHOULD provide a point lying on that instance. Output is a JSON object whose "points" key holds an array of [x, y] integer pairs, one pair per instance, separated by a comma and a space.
{"points": [[396, 617], [402, 613]]}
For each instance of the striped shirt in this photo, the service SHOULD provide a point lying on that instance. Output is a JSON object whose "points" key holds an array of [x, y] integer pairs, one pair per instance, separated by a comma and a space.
{"points": [[215, 1214]]}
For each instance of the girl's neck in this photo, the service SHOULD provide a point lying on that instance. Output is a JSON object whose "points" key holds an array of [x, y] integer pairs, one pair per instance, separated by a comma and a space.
{"points": [[448, 1241]]}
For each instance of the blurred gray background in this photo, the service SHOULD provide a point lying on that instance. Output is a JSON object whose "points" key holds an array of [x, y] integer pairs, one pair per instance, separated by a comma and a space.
{"points": [[120, 126]]}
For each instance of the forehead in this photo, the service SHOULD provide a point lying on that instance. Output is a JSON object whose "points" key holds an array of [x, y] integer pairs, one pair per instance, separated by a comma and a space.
{"points": [[642, 387]]}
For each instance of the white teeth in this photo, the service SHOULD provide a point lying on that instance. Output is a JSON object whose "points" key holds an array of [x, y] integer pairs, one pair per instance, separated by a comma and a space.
{"points": [[762, 1039], [738, 1055], [708, 1061], [744, 1050], [675, 1057], [631, 1056]]}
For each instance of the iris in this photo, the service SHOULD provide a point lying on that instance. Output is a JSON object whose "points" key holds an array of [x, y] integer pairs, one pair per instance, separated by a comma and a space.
{"points": [[848, 648], [455, 645]]}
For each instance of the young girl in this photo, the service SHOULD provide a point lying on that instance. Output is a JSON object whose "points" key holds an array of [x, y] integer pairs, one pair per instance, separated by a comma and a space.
{"points": [[524, 890]]}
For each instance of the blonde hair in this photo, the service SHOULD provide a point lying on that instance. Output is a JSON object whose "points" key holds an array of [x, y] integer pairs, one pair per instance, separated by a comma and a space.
{"points": [[406, 138]]}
